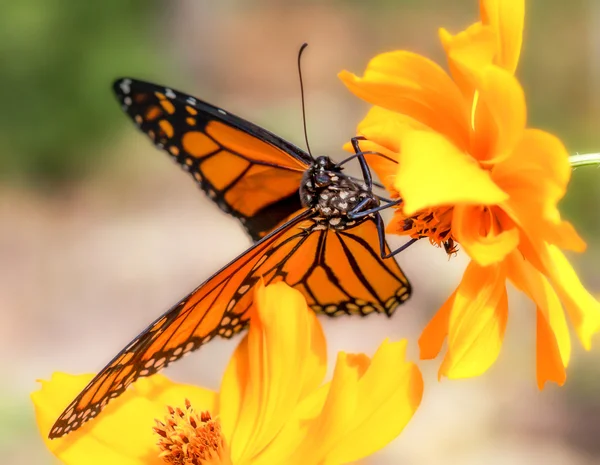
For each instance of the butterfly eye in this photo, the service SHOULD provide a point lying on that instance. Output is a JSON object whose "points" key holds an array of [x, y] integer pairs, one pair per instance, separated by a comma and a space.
{"points": [[322, 180]]}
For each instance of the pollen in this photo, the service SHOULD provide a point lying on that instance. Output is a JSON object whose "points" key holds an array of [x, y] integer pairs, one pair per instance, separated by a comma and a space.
{"points": [[191, 438], [433, 224]]}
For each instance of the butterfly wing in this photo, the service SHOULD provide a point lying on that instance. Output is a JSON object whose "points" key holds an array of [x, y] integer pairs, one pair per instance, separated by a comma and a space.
{"points": [[247, 171], [338, 272], [342, 272]]}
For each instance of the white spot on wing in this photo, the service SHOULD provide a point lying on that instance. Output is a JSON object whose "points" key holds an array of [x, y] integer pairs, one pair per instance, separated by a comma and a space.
{"points": [[125, 86], [169, 93]]}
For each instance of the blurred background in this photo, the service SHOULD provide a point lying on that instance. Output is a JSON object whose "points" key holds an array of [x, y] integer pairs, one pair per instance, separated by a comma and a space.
{"points": [[100, 232]]}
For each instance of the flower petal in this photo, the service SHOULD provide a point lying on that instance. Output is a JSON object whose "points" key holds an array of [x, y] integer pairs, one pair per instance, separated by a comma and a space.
{"points": [[582, 307], [384, 130], [507, 17], [337, 413], [364, 412], [477, 322], [536, 177], [387, 127], [433, 172], [122, 433], [553, 339], [415, 86], [281, 360], [482, 233], [474, 48], [549, 366], [499, 113], [537, 172], [433, 336]]}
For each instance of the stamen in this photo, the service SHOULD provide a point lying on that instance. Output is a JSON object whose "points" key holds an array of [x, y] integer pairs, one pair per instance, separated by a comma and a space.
{"points": [[189, 438], [434, 224]]}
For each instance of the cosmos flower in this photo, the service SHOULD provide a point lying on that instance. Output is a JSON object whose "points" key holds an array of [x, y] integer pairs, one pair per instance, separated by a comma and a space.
{"points": [[470, 172], [272, 406]]}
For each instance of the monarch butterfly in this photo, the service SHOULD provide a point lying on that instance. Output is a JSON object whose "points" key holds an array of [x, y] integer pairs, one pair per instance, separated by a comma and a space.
{"points": [[317, 229]]}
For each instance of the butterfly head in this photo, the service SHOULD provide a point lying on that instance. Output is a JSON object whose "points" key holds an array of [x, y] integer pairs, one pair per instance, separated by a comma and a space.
{"points": [[324, 172]]}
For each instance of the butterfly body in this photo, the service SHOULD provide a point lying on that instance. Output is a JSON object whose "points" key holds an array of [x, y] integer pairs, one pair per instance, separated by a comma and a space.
{"points": [[333, 195]]}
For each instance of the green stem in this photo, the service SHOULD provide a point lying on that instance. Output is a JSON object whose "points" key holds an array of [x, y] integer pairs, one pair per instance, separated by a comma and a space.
{"points": [[585, 159]]}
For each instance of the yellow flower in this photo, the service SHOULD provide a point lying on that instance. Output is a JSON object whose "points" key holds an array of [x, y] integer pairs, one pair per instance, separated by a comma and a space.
{"points": [[469, 171], [272, 407]]}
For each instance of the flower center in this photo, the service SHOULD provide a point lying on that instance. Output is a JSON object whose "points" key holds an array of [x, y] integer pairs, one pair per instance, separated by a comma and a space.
{"points": [[189, 438], [434, 224]]}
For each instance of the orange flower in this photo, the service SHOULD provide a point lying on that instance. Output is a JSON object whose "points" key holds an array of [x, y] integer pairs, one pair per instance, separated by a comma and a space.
{"points": [[470, 172], [272, 407]]}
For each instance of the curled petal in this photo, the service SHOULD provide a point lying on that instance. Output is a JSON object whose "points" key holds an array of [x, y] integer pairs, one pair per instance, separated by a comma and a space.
{"points": [[433, 336], [384, 130], [122, 433], [387, 128], [433, 172], [477, 322], [365, 408], [485, 237], [507, 18], [499, 113], [415, 86], [553, 339], [536, 177], [473, 48], [539, 168], [582, 308], [549, 366], [281, 360]]}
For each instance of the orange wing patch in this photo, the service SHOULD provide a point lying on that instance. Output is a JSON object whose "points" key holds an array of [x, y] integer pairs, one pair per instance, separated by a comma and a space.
{"points": [[198, 144], [252, 148]]}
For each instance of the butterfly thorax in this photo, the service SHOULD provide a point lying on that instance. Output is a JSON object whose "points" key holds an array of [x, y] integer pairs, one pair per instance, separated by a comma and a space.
{"points": [[333, 195]]}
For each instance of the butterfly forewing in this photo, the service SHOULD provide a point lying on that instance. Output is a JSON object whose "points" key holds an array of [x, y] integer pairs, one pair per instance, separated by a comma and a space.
{"points": [[247, 171]]}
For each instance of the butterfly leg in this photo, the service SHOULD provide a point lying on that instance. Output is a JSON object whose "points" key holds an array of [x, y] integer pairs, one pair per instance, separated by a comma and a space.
{"points": [[383, 244], [384, 199], [358, 212], [358, 153], [363, 162]]}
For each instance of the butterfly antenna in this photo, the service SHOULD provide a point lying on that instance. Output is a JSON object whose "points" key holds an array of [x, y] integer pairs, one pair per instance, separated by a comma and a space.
{"points": [[304, 45]]}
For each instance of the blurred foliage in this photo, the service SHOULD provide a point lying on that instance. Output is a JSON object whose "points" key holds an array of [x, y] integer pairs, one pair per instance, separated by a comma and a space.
{"points": [[59, 58]]}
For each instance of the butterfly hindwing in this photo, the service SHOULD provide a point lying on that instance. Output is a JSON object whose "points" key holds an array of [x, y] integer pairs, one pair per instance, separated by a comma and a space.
{"points": [[318, 261], [247, 171], [348, 275]]}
